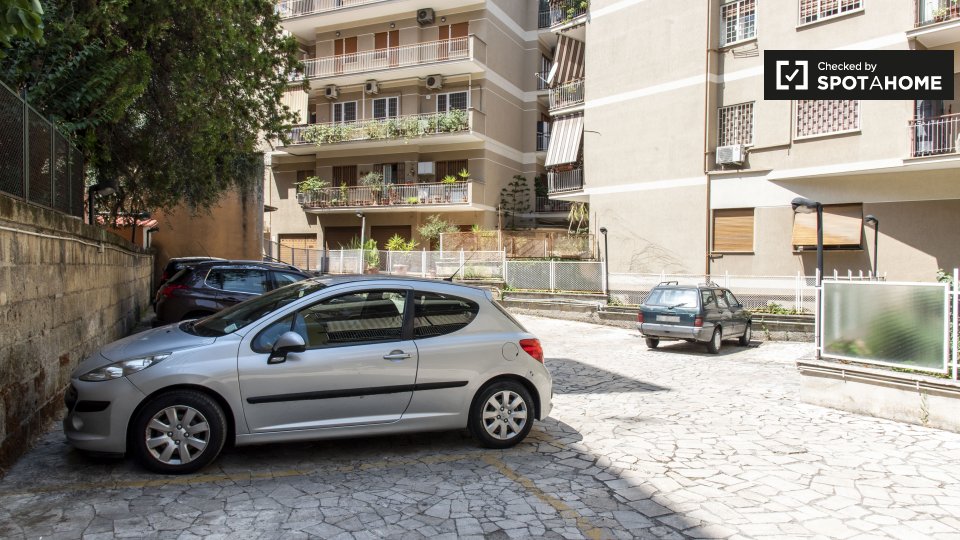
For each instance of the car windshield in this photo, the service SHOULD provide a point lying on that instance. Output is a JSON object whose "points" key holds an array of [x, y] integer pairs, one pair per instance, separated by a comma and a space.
{"points": [[236, 317], [672, 298]]}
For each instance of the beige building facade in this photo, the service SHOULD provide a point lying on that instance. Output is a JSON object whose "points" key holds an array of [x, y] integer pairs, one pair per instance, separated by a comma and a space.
{"points": [[440, 98], [691, 171]]}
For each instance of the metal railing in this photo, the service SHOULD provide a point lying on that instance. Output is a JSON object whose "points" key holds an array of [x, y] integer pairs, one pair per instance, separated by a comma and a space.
{"points": [[401, 127], [543, 19], [562, 181], [934, 136], [935, 11], [40, 165], [297, 8], [544, 204], [434, 193], [563, 15], [566, 95], [419, 54], [542, 80]]}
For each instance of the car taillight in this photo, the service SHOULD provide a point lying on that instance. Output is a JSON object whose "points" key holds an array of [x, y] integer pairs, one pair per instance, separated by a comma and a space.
{"points": [[533, 348], [639, 316], [698, 322], [168, 290]]}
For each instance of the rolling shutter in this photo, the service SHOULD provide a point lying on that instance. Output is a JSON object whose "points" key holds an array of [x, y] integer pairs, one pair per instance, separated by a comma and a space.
{"points": [[565, 136], [842, 226], [733, 230]]}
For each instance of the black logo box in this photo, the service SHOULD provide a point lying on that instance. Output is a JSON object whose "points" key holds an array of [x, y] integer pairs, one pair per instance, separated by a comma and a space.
{"points": [[914, 74]]}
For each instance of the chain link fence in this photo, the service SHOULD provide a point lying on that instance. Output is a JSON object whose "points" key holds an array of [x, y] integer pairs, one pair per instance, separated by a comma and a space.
{"points": [[40, 164], [572, 276]]}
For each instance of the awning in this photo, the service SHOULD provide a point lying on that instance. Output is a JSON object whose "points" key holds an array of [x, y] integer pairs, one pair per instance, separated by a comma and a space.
{"points": [[565, 135], [568, 61], [842, 226]]}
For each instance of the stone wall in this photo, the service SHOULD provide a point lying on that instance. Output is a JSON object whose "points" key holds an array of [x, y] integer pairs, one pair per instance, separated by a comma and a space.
{"points": [[66, 288]]}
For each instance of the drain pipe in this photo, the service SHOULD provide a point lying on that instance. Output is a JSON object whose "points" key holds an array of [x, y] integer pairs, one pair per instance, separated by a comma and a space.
{"points": [[706, 138]]}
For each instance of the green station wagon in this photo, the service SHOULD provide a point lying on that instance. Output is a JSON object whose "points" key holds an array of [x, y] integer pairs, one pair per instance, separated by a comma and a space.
{"points": [[704, 313]]}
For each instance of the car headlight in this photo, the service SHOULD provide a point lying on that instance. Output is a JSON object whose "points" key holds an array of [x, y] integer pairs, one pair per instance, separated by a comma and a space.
{"points": [[122, 368]]}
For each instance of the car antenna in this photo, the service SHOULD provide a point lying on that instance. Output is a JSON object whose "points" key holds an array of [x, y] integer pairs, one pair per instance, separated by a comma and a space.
{"points": [[453, 275]]}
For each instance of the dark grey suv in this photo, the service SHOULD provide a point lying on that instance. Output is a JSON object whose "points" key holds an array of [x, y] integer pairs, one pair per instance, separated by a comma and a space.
{"points": [[704, 313], [203, 289]]}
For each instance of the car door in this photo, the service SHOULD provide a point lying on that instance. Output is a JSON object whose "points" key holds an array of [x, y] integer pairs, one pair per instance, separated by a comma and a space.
{"points": [[234, 285], [731, 327], [712, 314], [359, 366], [740, 315]]}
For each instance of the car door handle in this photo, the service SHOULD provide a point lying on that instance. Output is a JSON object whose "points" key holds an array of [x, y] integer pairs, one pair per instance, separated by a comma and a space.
{"points": [[396, 355]]}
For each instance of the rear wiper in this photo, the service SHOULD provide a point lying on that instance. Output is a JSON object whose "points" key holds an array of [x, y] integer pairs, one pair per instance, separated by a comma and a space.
{"points": [[681, 304]]}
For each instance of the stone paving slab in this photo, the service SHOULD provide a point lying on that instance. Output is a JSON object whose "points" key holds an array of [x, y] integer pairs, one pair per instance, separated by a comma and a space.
{"points": [[672, 443]]}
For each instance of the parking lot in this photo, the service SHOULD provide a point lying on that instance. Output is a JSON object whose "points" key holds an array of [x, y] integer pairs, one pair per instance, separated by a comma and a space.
{"points": [[671, 443]]}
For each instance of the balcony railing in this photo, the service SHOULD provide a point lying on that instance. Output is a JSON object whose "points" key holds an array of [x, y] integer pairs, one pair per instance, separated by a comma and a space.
{"points": [[435, 193], [297, 8], [934, 136], [562, 15], [419, 54], [560, 182], [934, 11], [543, 19], [401, 127], [567, 95], [545, 205]]}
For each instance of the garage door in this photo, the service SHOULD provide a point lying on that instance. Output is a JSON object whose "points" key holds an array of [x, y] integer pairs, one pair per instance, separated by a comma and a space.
{"points": [[382, 233], [339, 237], [299, 250]]}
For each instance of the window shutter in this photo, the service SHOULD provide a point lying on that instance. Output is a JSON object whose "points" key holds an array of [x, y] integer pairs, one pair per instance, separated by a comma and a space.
{"points": [[842, 226], [733, 230]]}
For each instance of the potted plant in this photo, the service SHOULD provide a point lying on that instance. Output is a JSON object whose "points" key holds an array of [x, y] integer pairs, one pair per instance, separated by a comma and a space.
{"points": [[464, 175], [413, 200], [344, 194], [374, 181]]}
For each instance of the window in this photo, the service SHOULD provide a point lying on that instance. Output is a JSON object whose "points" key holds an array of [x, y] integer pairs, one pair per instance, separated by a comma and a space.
{"points": [[361, 317], [842, 227], [826, 116], [391, 172], [449, 168], [243, 280], [672, 297], [301, 176], [721, 300], [738, 21], [283, 278], [731, 299], [735, 124], [450, 101], [733, 230], [817, 10], [344, 174], [438, 314], [385, 108], [707, 300], [345, 111]]}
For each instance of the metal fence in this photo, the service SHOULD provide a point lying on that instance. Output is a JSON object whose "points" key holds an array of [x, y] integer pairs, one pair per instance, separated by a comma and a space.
{"points": [[40, 163], [572, 276]]}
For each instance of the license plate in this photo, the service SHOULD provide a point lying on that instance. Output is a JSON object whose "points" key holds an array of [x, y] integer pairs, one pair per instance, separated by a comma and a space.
{"points": [[668, 318]]}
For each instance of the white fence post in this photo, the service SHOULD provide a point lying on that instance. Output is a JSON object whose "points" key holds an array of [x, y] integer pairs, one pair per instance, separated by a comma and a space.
{"points": [[503, 268], [341, 261], [553, 275], [423, 262], [956, 319], [389, 262], [605, 285]]}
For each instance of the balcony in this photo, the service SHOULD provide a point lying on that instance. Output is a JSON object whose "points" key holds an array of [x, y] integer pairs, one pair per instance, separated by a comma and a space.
{"points": [[542, 80], [545, 205], [567, 97], [559, 182], [306, 18], [392, 197], [417, 60], [456, 126], [543, 19], [934, 136], [937, 22], [567, 13]]}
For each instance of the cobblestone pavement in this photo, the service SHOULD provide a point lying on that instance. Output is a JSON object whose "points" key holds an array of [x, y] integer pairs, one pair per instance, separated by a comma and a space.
{"points": [[671, 443]]}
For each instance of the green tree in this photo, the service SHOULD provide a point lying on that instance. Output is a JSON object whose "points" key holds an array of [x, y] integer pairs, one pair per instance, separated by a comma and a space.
{"points": [[20, 19], [433, 228], [515, 199], [169, 99]]}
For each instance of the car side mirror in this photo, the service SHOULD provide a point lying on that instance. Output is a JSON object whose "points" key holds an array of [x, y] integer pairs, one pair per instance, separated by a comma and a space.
{"points": [[287, 343]]}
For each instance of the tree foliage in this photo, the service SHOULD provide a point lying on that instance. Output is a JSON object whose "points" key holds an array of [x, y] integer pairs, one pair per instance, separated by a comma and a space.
{"points": [[515, 199], [167, 98], [20, 19], [434, 227]]}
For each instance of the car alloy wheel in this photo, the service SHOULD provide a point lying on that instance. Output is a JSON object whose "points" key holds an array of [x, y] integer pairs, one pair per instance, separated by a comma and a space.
{"points": [[178, 432], [502, 414]]}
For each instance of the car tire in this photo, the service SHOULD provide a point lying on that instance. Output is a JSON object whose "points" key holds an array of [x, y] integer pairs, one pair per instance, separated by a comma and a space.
{"points": [[713, 346], [499, 400], [652, 342], [747, 334], [202, 435]]}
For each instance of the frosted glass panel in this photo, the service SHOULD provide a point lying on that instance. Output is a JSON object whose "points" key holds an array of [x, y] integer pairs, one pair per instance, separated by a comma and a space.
{"points": [[903, 325]]}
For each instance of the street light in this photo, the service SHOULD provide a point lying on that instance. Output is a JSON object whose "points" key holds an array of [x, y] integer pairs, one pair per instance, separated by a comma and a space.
{"points": [[870, 218], [99, 190], [606, 260], [802, 205]]}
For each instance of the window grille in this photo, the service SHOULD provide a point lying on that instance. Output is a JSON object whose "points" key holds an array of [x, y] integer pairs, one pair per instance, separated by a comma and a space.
{"points": [[818, 10], [738, 20], [735, 124], [819, 117]]}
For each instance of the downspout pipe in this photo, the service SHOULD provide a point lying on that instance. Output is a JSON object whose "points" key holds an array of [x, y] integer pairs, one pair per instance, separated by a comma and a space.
{"points": [[708, 51]]}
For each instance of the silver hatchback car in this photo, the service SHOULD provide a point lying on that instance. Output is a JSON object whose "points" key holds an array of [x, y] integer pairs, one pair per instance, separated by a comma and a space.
{"points": [[321, 358]]}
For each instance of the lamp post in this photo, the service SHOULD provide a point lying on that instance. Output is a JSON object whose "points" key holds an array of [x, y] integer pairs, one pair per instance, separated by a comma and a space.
{"points": [[802, 205], [98, 190], [363, 228], [870, 218], [606, 263]]}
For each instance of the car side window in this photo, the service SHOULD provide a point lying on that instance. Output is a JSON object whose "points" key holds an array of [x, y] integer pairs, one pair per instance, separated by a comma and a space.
{"points": [[731, 299], [722, 300], [438, 314], [244, 280], [284, 278], [708, 301], [354, 318], [268, 336]]}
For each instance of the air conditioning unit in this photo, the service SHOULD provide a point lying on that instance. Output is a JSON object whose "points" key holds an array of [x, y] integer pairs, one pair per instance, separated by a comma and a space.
{"points": [[371, 87], [731, 155], [425, 16], [424, 167], [301, 199], [331, 92], [434, 82]]}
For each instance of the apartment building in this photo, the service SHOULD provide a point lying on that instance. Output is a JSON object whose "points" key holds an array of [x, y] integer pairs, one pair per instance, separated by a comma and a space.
{"points": [[691, 171], [443, 98]]}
